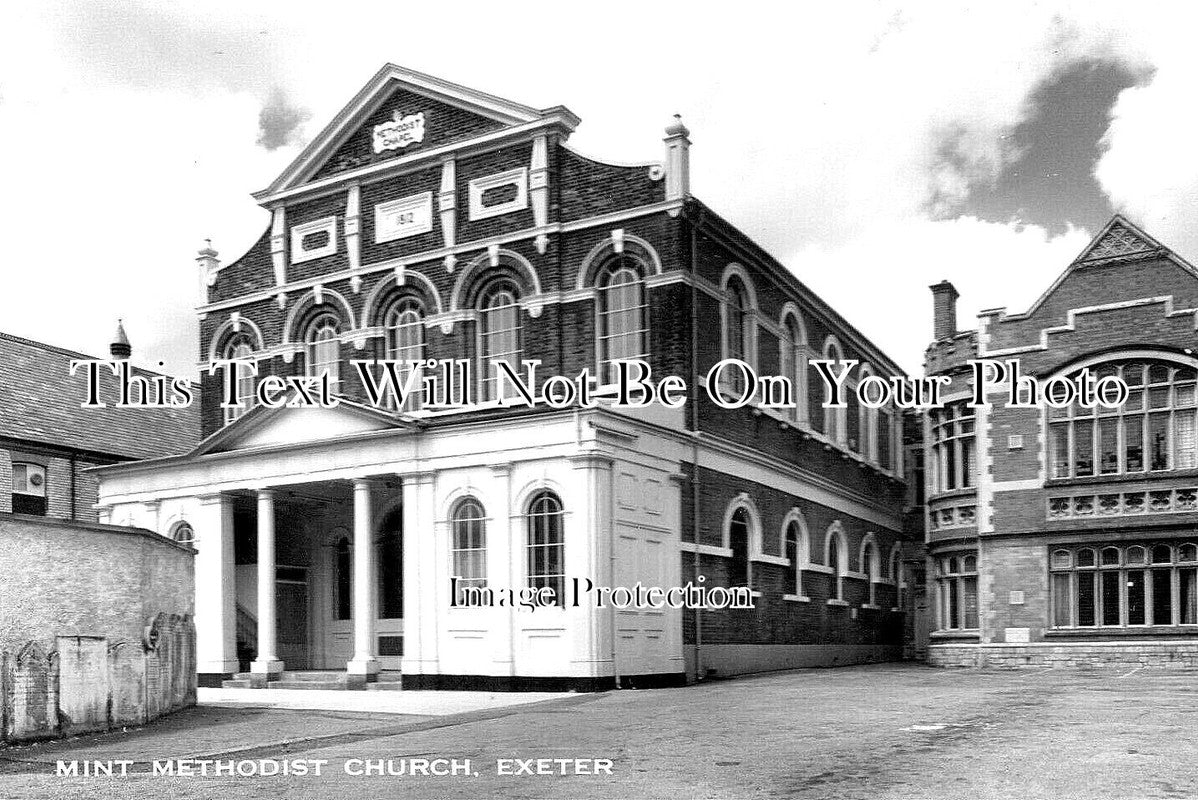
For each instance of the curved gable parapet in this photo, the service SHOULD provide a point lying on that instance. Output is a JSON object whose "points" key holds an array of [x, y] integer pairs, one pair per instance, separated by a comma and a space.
{"points": [[249, 273], [591, 188]]}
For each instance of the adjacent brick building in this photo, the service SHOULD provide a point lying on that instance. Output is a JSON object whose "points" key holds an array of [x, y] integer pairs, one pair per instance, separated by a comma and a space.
{"points": [[48, 442], [429, 220], [1068, 536]]}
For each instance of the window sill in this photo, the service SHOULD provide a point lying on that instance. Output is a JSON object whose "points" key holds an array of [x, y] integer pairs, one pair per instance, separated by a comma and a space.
{"points": [[952, 494], [872, 606], [1148, 631], [796, 598], [777, 561], [832, 601], [1149, 477], [964, 634]]}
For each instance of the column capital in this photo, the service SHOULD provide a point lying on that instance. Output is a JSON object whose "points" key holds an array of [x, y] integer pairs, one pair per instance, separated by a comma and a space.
{"points": [[419, 477], [591, 461], [367, 482], [265, 493], [212, 498]]}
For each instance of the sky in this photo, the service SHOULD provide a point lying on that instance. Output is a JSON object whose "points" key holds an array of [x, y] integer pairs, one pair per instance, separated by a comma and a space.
{"points": [[873, 148]]}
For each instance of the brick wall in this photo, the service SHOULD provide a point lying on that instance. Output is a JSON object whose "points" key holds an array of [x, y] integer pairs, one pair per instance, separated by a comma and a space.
{"points": [[1145, 654]]}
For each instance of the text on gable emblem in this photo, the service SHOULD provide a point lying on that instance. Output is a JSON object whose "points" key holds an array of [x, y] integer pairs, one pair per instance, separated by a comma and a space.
{"points": [[399, 132]]}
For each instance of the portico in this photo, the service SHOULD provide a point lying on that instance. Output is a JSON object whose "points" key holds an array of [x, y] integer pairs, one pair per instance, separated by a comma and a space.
{"points": [[327, 539]]}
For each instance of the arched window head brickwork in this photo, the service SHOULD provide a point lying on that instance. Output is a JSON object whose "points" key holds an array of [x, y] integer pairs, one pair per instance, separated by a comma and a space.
{"points": [[795, 549], [836, 557]]}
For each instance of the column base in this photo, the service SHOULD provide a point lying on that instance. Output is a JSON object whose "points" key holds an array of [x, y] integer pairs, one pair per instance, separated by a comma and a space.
{"points": [[262, 671], [360, 672]]}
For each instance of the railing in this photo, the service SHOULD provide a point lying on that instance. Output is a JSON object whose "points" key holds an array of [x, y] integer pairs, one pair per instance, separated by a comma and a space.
{"points": [[1118, 504]]}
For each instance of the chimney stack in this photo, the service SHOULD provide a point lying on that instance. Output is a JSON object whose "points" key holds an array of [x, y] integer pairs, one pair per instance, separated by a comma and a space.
{"points": [[120, 348], [678, 180], [944, 310]]}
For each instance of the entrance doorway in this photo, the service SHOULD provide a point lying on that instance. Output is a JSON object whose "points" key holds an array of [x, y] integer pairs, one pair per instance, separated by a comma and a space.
{"points": [[291, 617]]}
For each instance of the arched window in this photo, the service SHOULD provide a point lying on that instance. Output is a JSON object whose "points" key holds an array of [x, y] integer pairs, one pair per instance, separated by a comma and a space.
{"points": [[1153, 431], [404, 339], [28, 488], [836, 559], [869, 566], [867, 424], [738, 542], [390, 566], [793, 553], [183, 533], [241, 347], [738, 321], [499, 335], [344, 584], [547, 545], [469, 545], [790, 354], [621, 315], [834, 418], [324, 348]]}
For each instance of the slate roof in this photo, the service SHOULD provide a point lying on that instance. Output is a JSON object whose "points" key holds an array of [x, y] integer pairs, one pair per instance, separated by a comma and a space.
{"points": [[40, 404]]}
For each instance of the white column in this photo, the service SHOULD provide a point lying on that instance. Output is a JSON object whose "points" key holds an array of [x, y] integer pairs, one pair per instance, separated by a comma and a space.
{"points": [[421, 578], [215, 587], [268, 662], [365, 665]]}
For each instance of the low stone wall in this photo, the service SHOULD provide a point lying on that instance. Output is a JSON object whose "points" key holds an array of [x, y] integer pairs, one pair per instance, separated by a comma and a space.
{"points": [[1131, 654], [96, 627]]}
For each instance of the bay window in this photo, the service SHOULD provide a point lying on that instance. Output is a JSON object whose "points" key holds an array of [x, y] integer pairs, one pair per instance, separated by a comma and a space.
{"points": [[1125, 585], [953, 445]]}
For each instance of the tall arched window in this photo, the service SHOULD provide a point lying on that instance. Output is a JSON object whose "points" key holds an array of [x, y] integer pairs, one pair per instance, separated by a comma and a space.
{"points": [[869, 566], [469, 544], [790, 354], [738, 317], [390, 566], [241, 347], [344, 569], [834, 418], [837, 563], [738, 542], [867, 424], [324, 348], [621, 315], [1153, 431], [404, 326], [793, 553], [547, 545], [499, 335]]}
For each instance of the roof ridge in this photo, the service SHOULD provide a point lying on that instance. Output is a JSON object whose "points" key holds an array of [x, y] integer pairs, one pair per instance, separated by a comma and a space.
{"points": [[12, 337]]}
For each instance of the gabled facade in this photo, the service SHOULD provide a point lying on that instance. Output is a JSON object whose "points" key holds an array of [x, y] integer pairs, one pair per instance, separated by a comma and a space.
{"points": [[432, 221], [1068, 536]]}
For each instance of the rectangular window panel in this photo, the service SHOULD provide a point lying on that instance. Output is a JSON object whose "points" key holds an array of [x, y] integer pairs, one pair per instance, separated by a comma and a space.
{"points": [[969, 591], [1108, 445], [1135, 597], [1060, 600], [967, 465], [1158, 441], [953, 604], [1060, 450], [950, 466], [1083, 448], [1183, 438], [1162, 597], [1188, 580], [1085, 599], [1133, 434], [1110, 598]]}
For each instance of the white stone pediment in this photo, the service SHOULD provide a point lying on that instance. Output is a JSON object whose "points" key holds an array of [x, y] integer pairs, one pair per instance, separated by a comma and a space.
{"points": [[296, 426]]}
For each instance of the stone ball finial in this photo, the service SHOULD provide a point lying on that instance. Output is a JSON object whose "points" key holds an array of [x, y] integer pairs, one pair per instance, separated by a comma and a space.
{"points": [[676, 128]]}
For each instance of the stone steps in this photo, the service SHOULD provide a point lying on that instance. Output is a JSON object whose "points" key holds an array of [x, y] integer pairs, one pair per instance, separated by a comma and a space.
{"points": [[389, 681]]}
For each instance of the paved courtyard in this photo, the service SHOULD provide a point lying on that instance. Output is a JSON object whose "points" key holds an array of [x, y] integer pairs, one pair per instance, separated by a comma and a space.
{"points": [[887, 731]]}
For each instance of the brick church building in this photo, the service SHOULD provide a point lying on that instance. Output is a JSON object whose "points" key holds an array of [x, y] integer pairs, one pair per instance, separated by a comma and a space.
{"points": [[1066, 536], [430, 220]]}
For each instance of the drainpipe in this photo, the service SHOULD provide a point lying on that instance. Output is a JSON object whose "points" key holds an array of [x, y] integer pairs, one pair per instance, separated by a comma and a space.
{"points": [[611, 568], [694, 412]]}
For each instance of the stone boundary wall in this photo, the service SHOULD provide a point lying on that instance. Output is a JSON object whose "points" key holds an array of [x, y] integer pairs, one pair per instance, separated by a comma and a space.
{"points": [[96, 628], [1131, 654]]}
